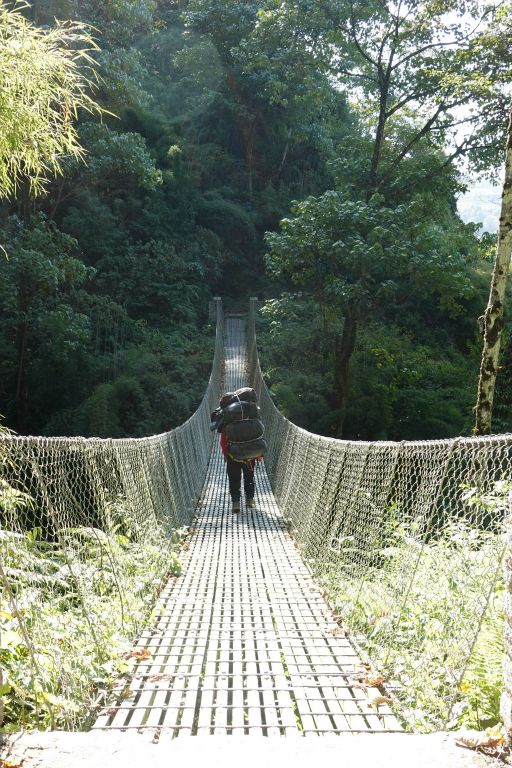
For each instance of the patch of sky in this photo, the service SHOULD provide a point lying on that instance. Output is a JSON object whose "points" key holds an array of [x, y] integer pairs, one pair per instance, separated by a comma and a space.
{"points": [[481, 204]]}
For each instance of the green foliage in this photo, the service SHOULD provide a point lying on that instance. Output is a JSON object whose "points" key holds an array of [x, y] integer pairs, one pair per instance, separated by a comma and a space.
{"points": [[38, 308], [341, 249], [406, 382], [89, 363], [169, 207], [157, 382], [416, 600], [224, 21], [479, 703], [115, 159], [403, 79], [227, 112], [124, 72], [358, 259], [406, 389], [46, 78], [57, 653], [422, 649], [121, 20], [294, 352], [137, 381], [387, 236]]}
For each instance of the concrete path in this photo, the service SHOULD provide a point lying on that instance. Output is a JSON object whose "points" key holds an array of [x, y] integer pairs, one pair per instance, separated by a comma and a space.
{"points": [[132, 750]]}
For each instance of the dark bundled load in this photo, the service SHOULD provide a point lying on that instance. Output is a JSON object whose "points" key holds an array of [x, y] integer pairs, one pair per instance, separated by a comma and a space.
{"points": [[239, 412], [245, 430], [239, 416], [245, 394], [235, 406]]}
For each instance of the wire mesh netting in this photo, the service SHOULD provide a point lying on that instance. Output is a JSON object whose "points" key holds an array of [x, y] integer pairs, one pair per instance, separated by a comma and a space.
{"points": [[88, 529], [407, 540]]}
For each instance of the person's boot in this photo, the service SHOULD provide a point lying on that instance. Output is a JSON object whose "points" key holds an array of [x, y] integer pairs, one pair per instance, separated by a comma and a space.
{"points": [[250, 503], [235, 507]]}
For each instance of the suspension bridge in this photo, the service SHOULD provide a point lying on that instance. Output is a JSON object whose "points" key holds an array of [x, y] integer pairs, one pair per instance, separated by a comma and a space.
{"points": [[303, 617]]}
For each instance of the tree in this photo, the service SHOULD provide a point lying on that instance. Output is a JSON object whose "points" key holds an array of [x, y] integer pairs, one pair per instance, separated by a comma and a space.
{"points": [[409, 68], [357, 258], [410, 379], [277, 102], [45, 77], [493, 315], [116, 163], [39, 319]]}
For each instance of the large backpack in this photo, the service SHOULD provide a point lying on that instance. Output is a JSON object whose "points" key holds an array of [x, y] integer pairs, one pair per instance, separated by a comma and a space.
{"points": [[234, 406], [239, 415], [245, 395], [240, 411], [248, 450]]}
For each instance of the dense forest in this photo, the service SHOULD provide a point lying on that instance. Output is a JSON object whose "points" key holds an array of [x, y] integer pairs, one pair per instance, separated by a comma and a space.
{"points": [[308, 153]]}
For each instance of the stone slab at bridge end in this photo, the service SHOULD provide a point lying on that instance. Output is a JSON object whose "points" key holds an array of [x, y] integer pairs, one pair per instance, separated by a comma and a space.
{"points": [[131, 750]]}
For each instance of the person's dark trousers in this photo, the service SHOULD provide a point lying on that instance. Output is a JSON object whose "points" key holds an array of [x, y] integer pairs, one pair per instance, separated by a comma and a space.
{"points": [[235, 469]]}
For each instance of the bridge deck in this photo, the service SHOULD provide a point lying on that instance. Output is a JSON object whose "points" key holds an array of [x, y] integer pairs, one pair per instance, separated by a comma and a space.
{"points": [[244, 642]]}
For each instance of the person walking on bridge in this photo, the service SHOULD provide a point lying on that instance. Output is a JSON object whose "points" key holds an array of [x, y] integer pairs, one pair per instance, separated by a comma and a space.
{"points": [[237, 419], [235, 470]]}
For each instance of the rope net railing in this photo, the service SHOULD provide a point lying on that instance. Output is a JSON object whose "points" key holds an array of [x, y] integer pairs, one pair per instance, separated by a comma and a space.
{"points": [[88, 529], [406, 539]]}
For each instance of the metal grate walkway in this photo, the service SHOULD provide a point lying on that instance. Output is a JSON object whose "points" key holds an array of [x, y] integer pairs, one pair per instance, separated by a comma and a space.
{"points": [[244, 642]]}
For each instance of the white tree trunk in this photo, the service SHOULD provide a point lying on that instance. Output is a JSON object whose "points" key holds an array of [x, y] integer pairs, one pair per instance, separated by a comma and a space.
{"points": [[493, 316]]}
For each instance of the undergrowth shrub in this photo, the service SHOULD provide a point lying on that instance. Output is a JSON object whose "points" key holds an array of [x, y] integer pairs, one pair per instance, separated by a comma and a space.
{"points": [[69, 611], [418, 622]]}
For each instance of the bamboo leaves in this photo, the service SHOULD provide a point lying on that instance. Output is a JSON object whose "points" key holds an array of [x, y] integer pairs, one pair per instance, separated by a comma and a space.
{"points": [[46, 77]]}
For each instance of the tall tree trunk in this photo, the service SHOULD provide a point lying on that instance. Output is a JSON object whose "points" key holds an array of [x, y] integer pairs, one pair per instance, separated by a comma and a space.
{"points": [[285, 152], [377, 152], [345, 345], [493, 316], [378, 142]]}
